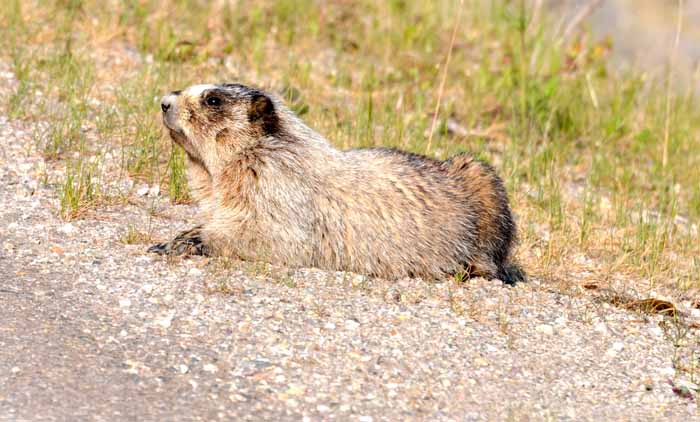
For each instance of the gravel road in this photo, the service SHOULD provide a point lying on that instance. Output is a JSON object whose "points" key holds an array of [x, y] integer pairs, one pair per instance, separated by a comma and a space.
{"points": [[93, 328]]}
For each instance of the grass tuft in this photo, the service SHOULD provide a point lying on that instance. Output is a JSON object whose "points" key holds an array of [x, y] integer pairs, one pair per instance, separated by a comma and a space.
{"points": [[78, 192]]}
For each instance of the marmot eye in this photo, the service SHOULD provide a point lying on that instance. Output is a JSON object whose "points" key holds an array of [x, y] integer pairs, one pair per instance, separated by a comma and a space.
{"points": [[213, 101]]}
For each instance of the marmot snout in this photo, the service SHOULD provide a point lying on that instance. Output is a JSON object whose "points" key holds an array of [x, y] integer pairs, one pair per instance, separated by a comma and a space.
{"points": [[272, 189]]}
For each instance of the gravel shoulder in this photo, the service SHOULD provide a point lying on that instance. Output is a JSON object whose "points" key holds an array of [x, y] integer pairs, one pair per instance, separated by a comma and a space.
{"points": [[94, 328]]}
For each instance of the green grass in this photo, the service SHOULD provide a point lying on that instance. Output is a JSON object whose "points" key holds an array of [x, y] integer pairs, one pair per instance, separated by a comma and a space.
{"points": [[133, 236], [78, 191], [579, 145]]}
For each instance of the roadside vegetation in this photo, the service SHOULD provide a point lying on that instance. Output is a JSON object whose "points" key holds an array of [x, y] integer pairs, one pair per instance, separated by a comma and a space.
{"points": [[602, 167]]}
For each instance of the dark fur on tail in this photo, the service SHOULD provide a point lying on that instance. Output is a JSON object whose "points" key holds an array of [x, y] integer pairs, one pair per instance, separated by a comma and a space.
{"points": [[495, 228], [511, 274]]}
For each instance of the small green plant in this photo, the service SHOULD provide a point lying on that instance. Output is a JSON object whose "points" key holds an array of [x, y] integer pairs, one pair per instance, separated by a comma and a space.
{"points": [[134, 236], [78, 192], [20, 98], [177, 181]]}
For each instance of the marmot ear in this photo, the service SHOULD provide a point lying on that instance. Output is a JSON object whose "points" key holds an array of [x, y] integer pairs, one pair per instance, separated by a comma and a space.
{"points": [[262, 112]]}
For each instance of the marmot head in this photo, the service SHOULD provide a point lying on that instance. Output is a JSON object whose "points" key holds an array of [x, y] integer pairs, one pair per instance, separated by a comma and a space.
{"points": [[213, 122]]}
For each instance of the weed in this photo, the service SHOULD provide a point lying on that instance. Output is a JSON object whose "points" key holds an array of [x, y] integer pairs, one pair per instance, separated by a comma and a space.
{"points": [[177, 182], [18, 101], [134, 236], [79, 191]]}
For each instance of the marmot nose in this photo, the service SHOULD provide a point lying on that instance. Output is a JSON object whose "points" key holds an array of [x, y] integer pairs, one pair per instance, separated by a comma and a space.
{"points": [[166, 103]]}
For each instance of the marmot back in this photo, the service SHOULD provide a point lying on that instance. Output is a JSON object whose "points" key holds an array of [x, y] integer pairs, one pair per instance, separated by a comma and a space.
{"points": [[273, 189]]}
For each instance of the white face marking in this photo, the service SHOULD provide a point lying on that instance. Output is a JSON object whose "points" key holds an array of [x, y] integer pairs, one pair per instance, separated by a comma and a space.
{"points": [[196, 90]]}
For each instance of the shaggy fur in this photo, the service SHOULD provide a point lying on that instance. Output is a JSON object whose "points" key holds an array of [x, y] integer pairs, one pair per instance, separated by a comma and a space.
{"points": [[272, 189]]}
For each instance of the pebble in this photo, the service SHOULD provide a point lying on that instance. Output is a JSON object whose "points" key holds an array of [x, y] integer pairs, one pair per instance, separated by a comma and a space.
{"points": [[210, 367], [351, 324], [481, 362], [657, 331], [166, 320], [545, 329], [687, 384], [67, 228]]}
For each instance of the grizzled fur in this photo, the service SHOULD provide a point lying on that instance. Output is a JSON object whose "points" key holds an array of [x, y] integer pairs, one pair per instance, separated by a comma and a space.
{"points": [[272, 189]]}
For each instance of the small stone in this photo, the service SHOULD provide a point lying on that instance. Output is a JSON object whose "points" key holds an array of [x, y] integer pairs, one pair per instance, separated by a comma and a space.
{"points": [[687, 385], [183, 368], [329, 326], [351, 324], [194, 272], [618, 346], [668, 371], [143, 191], [67, 228], [366, 419], [323, 408], [147, 288], [124, 303], [210, 367], [481, 362], [358, 280], [166, 320], [154, 191], [601, 328], [295, 390], [15, 370], [545, 329]]}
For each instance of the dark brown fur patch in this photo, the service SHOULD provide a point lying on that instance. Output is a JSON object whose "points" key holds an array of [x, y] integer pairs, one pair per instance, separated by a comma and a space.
{"points": [[222, 136], [496, 229], [262, 114]]}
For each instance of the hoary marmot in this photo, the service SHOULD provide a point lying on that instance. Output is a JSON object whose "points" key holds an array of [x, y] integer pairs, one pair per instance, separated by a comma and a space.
{"points": [[272, 189]]}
